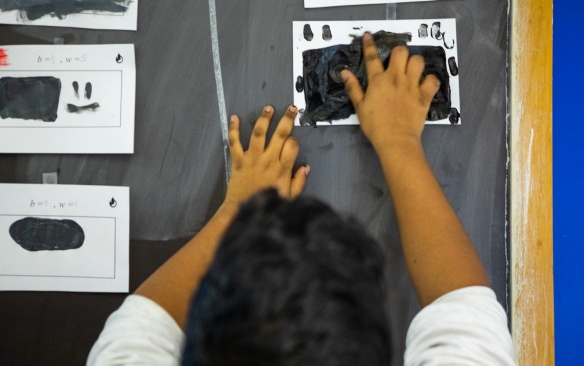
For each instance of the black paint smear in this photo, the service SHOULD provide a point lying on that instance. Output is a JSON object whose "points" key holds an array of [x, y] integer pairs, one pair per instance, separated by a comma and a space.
{"points": [[435, 31], [324, 91], [454, 116], [88, 90], [35, 9], [33, 98], [35, 234], [326, 33], [423, 30], [445, 45], [308, 35], [452, 66], [300, 84], [71, 108], [76, 88]]}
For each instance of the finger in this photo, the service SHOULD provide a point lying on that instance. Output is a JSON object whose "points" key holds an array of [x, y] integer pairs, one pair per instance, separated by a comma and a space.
{"points": [[257, 143], [353, 87], [289, 153], [373, 63], [415, 68], [298, 182], [235, 148], [282, 132], [429, 87], [398, 61]]}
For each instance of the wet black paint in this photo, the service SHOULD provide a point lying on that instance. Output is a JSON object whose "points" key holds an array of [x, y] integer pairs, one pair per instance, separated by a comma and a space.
{"points": [[36, 234], [32, 98], [446, 45], [71, 108], [308, 35], [423, 31], [324, 91], [300, 84], [452, 66], [76, 88], [454, 116], [435, 31], [35, 9], [88, 90], [326, 33]]}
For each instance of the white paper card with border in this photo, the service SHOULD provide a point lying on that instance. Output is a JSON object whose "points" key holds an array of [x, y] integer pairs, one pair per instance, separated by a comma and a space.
{"points": [[330, 3], [67, 99], [64, 238], [441, 55], [103, 14]]}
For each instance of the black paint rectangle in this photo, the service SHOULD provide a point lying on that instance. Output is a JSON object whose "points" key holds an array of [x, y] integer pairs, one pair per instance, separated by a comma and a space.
{"points": [[30, 98]]}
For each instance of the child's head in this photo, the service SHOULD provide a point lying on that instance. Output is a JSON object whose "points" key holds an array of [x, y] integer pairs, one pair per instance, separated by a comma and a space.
{"points": [[291, 284]]}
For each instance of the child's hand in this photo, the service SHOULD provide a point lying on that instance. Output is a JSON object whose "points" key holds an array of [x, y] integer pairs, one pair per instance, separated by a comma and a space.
{"points": [[396, 103], [262, 167]]}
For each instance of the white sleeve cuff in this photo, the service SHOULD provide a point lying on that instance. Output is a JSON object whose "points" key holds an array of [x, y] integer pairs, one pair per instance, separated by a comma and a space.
{"points": [[140, 332], [466, 327]]}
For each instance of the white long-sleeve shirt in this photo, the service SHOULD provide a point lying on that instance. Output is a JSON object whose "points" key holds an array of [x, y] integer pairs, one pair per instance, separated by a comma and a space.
{"points": [[464, 327]]}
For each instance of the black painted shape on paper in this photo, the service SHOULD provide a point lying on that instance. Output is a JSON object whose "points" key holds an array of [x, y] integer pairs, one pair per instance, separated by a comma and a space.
{"points": [[71, 108], [308, 35], [454, 116], [35, 9], [76, 88], [435, 31], [35, 234], [300, 84], [326, 33], [452, 66], [423, 30], [88, 90], [32, 98], [324, 91]]}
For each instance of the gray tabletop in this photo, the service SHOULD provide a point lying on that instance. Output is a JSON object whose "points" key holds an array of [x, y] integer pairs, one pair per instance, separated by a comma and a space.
{"points": [[177, 175]]}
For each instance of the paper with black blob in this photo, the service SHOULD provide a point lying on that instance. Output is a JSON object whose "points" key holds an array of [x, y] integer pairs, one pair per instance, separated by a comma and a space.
{"points": [[321, 49], [67, 99], [64, 238], [93, 14]]}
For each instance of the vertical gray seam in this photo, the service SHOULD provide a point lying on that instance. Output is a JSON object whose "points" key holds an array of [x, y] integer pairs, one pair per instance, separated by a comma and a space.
{"points": [[219, 83]]}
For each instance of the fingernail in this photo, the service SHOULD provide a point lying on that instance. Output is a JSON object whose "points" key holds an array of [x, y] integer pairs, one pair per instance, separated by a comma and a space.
{"points": [[293, 109], [306, 169], [268, 109], [232, 119], [367, 37]]}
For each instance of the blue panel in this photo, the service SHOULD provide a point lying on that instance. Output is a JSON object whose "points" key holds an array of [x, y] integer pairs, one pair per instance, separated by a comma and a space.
{"points": [[569, 181]]}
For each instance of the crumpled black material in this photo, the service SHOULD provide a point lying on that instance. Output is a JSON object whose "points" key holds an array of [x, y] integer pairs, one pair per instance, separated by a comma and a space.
{"points": [[324, 91]]}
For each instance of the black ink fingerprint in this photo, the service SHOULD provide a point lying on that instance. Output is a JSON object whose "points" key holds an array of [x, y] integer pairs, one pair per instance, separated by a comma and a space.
{"points": [[445, 45], [454, 116], [423, 31], [326, 33], [452, 66], [324, 91], [308, 35], [300, 84], [35, 9], [76, 88], [435, 32], [32, 98], [88, 90], [71, 108], [35, 234]]}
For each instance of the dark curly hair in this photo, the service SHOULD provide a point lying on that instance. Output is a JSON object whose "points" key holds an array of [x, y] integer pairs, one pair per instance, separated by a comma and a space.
{"points": [[291, 284]]}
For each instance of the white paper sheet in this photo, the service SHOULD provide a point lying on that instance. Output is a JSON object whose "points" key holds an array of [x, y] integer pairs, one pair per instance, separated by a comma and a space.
{"points": [[100, 264], [330, 3], [108, 69], [27, 15], [343, 32]]}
